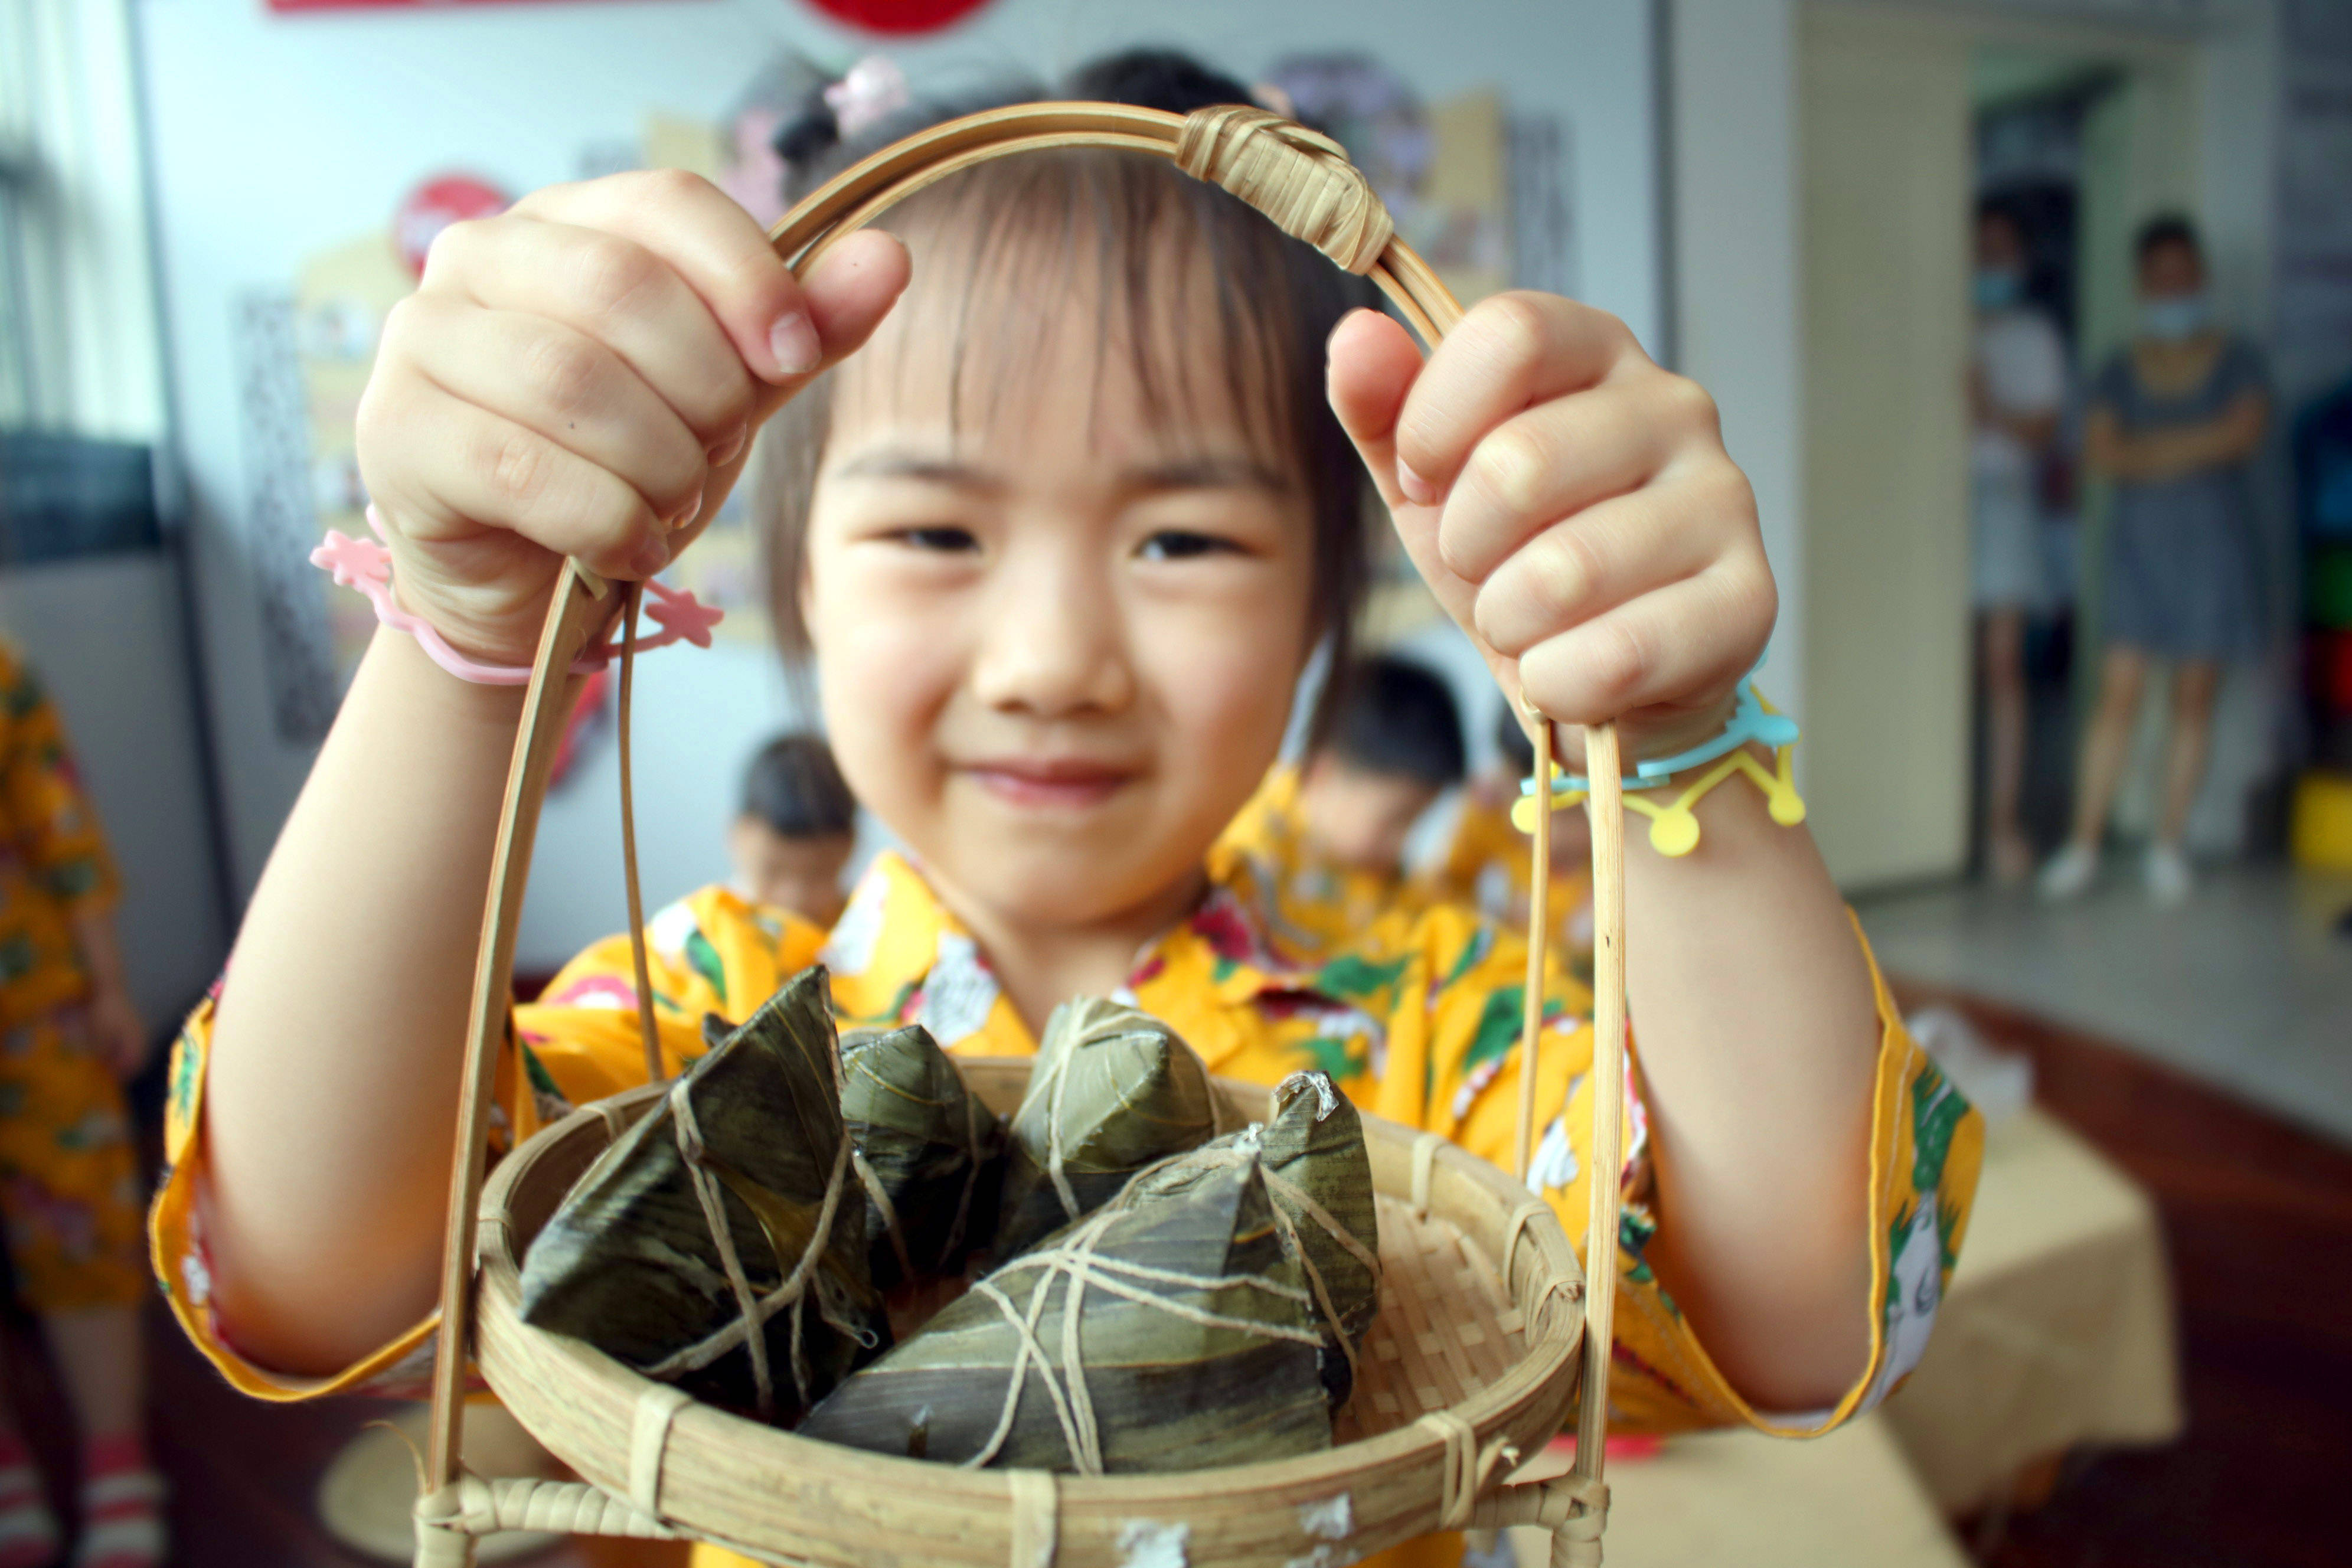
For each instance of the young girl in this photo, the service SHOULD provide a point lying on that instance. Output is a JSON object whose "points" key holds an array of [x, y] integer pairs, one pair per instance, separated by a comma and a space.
{"points": [[1061, 537]]}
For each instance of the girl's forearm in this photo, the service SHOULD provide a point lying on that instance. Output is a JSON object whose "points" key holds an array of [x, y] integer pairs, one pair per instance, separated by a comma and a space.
{"points": [[335, 1070], [1757, 1029]]}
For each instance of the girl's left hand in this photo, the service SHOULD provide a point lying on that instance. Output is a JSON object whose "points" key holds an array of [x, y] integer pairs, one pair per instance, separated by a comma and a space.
{"points": [[1572, 506]]}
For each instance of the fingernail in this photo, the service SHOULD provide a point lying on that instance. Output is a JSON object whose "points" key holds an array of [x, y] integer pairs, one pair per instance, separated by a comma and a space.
{"points": [[650, 558], [685, 514], [1418, 490], [792, 340], [726, 451]]}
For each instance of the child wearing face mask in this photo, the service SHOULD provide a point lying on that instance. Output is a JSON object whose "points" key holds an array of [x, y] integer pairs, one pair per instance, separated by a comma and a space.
{"points": [[1069, 494], [2174, 419], [1328, 838], [2017, 382]]}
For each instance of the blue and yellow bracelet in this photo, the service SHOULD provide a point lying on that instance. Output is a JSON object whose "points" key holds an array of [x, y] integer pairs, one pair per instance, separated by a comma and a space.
{"points": [[1674, 826]]}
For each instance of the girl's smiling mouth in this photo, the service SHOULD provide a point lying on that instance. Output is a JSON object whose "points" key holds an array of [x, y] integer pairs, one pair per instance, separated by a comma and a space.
{"points": [[1049, 783]]}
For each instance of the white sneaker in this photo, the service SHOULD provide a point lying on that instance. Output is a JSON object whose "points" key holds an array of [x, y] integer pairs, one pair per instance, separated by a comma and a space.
{"points": [[2169, 881], [2069, 874]]}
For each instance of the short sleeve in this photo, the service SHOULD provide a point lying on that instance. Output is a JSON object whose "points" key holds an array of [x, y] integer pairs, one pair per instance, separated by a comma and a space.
{"points": [[1926, 1149], [710, 953]]}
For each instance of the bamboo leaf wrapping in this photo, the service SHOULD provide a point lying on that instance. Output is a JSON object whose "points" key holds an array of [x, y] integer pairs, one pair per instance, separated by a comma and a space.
{"points": [[932, 1151], [1113, 1091], [630, 1262], [1192, 1343]]}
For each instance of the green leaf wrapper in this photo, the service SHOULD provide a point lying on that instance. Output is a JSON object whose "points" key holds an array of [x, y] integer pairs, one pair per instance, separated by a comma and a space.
{"points": [[630, 1261], [1111, 1091], [1172, 1332], [930, 1155]]}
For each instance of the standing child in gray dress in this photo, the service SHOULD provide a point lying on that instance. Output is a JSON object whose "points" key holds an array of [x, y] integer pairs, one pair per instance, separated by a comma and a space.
{"points": [[2173, 420]]}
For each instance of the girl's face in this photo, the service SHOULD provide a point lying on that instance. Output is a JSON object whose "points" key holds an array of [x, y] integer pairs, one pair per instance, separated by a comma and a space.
{"points": [[1057, 639]]}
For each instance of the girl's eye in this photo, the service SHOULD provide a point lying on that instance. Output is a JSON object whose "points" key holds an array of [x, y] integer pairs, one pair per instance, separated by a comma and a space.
{"points": [[1183, 544], [945, 538]]}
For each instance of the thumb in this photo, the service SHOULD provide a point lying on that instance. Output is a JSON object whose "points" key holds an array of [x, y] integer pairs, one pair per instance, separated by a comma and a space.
{"points": [[1373, 365]]}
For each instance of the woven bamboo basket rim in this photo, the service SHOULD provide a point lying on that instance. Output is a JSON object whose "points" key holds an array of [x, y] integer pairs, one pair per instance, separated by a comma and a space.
{"points": [[1302, 182], [877, 1508]]}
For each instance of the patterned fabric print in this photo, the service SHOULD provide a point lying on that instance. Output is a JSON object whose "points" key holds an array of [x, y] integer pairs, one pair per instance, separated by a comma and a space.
{"points": [[53, 857], [1310, 905], [1485, 867], [68, 1175], [1415, 1017]]}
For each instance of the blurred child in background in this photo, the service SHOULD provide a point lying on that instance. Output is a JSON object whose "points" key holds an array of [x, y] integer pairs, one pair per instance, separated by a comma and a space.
{"points": [[1486, 863], [1393, 745], [798, 826], [68, 1178]]}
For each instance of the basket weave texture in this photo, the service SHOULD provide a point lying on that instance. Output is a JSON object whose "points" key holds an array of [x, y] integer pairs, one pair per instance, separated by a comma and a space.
{"points": [[1466, 1370]]}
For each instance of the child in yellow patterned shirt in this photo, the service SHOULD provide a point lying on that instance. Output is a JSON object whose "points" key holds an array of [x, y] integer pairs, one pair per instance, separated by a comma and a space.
{"points": [[69, 1179], [1336, 827], [1060, 539]]}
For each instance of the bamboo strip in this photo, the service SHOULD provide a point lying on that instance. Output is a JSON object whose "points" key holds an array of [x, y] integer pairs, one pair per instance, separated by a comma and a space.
{"points": [[1606, 803]]}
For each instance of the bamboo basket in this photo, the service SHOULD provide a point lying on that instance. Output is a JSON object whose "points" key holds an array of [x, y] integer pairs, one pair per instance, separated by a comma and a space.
{"points": [[1487, 1338]]}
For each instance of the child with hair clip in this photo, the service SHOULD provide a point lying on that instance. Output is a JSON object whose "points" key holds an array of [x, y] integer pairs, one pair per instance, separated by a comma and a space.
{"points": [[1065, 491]]}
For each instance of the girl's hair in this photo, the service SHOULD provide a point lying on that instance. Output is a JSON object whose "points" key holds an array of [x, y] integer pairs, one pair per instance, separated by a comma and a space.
{"points": [[1146, 230]]}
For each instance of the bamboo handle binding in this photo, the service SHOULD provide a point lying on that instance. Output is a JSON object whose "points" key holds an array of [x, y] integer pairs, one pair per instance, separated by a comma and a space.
{"points": [[1302, 182]]}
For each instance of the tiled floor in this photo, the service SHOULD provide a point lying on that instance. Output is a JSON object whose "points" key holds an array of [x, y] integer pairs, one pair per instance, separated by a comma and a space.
{"points": [[2248, 987]]}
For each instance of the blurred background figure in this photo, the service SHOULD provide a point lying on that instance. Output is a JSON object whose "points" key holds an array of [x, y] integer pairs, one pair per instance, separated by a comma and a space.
{"points": [[1485, 860], [2017, 387], [70, 1186], [797, 828], [2175, 418], [1331, 832]]}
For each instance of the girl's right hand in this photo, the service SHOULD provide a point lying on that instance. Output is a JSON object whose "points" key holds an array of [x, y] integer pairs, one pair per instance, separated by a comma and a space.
{"points": [[582, 376]]}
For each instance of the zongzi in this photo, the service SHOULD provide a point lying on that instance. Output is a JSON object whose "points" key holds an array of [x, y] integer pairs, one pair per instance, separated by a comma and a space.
{"points": [[1172, 1332], [927, 1153], [1112, 1090], [1319, 1176], [721, 1242]]}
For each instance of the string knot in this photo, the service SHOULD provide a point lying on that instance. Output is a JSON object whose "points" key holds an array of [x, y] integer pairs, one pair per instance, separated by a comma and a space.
{"points": [[1299, 178]]}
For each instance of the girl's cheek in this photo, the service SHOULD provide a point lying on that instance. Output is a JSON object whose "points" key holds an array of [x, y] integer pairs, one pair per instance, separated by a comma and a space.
{"points": [[887, 664]]}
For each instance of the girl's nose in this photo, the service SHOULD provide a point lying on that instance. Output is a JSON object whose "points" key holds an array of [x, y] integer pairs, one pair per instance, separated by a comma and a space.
{"points": [[1053, 647]]}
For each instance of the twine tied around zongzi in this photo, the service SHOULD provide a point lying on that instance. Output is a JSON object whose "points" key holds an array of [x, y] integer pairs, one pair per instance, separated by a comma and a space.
{"points": [[871, 1180], [752, 1310], [1281, 1189], [1074, 1257], [1299, 178]]}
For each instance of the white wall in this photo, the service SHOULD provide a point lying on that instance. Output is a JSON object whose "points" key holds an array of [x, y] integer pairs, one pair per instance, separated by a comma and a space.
{"points": [[1739, 303], [275, 137]]}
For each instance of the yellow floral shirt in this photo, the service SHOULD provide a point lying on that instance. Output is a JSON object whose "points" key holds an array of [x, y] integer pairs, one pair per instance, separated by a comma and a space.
{"points": [[1416, 1019], [53, 857], [1485, 867], [1310, 902]]}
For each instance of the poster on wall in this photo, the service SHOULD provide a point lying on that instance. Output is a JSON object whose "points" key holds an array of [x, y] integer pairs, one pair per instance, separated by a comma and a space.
{"points": [[1479, 191]]}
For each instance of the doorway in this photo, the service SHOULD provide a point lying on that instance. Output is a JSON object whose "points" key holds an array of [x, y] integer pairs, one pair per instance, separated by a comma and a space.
{"points": [[1904, 117]]}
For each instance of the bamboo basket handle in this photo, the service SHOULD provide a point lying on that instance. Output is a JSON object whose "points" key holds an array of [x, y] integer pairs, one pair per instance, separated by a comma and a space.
{"points": [[1302, 181]]}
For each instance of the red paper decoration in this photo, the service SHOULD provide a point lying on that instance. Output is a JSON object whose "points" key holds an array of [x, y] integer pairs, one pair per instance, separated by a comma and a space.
{"points": [[901, 17]]}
